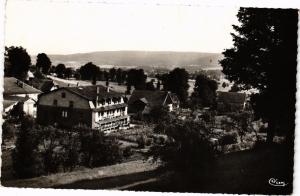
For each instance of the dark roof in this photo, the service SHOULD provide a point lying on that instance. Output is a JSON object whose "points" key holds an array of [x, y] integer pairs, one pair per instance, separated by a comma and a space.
{"points": [[11, 100], [153, 98], [90, 92], [44, 85], [14, 86], [8, 103], [231, 97]]}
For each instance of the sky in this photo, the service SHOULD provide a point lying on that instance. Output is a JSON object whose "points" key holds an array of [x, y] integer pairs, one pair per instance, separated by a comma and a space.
{"points": [[65, 27]]}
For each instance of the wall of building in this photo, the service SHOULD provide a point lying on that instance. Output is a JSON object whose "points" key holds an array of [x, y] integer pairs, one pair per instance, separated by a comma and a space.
{"points": [[79, 102], [49, 115], [29, 107]]}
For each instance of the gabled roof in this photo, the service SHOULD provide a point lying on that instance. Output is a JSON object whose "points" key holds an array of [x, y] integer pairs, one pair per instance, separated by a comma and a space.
{"points": [[12, 100], [13, 86], [90, 92], [153, 98], [8, 103], [231, 97]]}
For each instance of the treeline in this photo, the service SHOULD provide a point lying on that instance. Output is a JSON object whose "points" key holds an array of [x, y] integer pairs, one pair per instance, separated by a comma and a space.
{"points": [[18, 62], [45, 150]]}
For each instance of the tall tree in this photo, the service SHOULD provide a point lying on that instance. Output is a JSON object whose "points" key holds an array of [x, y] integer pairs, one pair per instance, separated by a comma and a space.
{"points": [[17, 62], [264, 57], [60, 70], [136, 78], [25, 157], [150, 85], [204, 94], [177, 82], [69, 72], [43, 63], [89, 71], [119, 76], [112, 74]]}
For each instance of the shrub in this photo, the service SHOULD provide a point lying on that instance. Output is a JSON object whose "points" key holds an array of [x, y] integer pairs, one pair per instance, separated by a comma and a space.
{"points": [[141, 141], [187, 148], [98, 149], [127, 152], [8, 130], [26, 158], [148, 141], [228, 139]]}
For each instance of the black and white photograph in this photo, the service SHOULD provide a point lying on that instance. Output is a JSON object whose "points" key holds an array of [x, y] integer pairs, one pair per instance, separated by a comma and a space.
{"points": [[149, 96]]}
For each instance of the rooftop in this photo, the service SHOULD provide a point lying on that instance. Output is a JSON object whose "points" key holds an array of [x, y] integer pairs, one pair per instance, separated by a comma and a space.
{"points": [[153, 98], [92, 92], [13, 86], [231, 97]]}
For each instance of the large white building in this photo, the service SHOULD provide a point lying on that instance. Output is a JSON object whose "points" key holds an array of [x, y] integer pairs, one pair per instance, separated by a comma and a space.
{"points": [[94, 106]]}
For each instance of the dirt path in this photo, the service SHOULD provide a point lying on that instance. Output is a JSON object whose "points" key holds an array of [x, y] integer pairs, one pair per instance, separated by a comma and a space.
{"points": [[63, 179]]}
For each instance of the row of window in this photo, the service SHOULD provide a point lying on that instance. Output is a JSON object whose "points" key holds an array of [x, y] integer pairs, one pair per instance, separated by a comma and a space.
{"points": [[112, 111]]}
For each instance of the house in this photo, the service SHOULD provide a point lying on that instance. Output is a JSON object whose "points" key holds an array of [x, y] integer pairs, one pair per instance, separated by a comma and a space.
{"points": [[144, 100], [95, 106], [230, 101], [19, 93]]}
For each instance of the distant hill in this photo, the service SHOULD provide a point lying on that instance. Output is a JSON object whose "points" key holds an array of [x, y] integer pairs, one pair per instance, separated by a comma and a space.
{"points": [[165, 60]]}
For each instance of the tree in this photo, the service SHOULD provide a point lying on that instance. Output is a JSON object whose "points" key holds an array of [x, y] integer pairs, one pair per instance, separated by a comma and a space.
{"points": [[150, 85], [43, 63], [60, 70], [17, 62], [98, 149], [177, 82], [242, 122], [120, 76], [264, 58], [26, 160], [89, 71], [136, 78], [112, 74], [204, 94], [187, 148], [8, 130], [69, 72], [234, 88]]}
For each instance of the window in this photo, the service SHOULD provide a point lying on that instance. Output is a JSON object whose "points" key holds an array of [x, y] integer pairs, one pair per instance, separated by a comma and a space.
{"points": [[71, 104], [64, 114], [63, 95], [54, 102]]}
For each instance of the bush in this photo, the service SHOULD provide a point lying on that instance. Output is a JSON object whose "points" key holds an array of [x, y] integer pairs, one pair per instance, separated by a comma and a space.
{"points": [[187, 148], [98, 149], [148, 141], [44, 150], [141, 141], [228, 139], [26, 159], [8, 130], [127, 152]]}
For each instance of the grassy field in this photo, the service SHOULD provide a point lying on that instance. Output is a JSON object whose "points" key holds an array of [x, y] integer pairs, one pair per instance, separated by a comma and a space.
{"points": [[240, 172]]}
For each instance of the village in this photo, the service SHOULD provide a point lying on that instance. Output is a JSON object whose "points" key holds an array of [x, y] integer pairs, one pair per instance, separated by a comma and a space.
{"points": [[135, 119], [202, 106]]}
